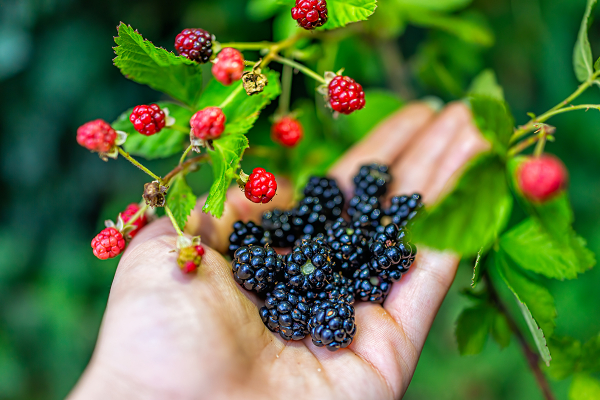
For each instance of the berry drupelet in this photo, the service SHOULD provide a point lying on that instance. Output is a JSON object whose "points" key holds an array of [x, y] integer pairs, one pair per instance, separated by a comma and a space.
{"points": [[287, 312], [190, 257], [368, 286], [372, 180], [148, 120], [208, 123], [365, 212], [229, 66], [109, 243], [309, 266], [96, 135], [309, 217], [345, 95], [194, 44], [392, 254], [349, 245], [261, 186], [332, 324], [287, 131], [245, 234], [257, 268], [278, 224], [403, 209], [310, 14]]}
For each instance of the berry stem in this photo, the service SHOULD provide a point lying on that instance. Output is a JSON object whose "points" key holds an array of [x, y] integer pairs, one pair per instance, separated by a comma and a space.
{"points": [[248, 46], [185, 153], [172, 218], [231, 96], [137, 164], [543, 133], [305, 70], [286, 89], [135, 216], [184, 166]]}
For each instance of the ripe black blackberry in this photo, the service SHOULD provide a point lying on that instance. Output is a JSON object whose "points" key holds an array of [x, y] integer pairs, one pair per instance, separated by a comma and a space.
{"points": [[279, 225], [309, 217], [403, 209], [309, 266], [195, 44], [328, 193], [257, 268], [392, 254], [286, 312], [245, 234], [349, 245], [368, 286], [340, 287], [372, 180], [332, 324], [365, 211]]}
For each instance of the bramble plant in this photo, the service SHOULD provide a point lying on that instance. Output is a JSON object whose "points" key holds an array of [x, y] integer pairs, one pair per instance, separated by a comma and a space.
{"points": [[474, 219]]}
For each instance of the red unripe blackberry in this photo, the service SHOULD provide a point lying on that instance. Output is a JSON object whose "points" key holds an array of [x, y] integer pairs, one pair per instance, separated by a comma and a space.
{"points": [[96, 135], [208, 123], [139, 223], [261, 186], [345, 95], [108, 243], [540, 178], [189, 258], [310, 14], [228, 66], [287, 131], [148, 120], [195, 44]]}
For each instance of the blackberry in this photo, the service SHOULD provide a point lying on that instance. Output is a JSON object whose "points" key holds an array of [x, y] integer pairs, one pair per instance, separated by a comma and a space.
{"points": [[365, 211], [348, 244], [257, 268], [392, 254], [328, 193], [340, 287], [368, 286], [332, 324], [194, 44], [245, 234], [286, 312], [278, 224], [372, 180], [403, 209], [309, 266], [309, 217]]}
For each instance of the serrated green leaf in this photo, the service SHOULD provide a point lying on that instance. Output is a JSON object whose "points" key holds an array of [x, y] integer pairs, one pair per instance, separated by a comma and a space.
{"points": [[533, 249], [494, 121], [566, 354], [472, 329], [584, 387], [141, 61], [486, 84], [164, 144], [582, 54], [181, 200], [437, 5], [500, 330], [344, 12], [471, 216], [538, 334], [477, 268]]}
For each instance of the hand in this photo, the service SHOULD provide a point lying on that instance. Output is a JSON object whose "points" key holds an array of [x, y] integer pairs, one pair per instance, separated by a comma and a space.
{"points": [[167, 335]]}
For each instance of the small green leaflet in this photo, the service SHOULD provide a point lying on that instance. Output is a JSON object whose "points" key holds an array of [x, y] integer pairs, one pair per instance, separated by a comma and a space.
{"points": [[538, 334], [141, 61], [160, 145], [343, 12], [471, 216], [472, 328], [477, 269], [486, 84], [584, 387], [582, 54], [494, 121], [566, 353], [181, 200]]}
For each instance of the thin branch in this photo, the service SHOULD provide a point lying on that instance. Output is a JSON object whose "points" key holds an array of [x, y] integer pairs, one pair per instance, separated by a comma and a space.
{"points": [[184, 166]]}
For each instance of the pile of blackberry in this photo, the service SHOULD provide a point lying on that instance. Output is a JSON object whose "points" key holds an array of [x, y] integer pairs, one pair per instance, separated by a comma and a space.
{"points": [[332, 257]]}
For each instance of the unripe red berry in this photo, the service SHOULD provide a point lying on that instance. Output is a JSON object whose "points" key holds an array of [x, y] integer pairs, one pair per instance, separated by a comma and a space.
{"points": [[345, 95], [228, 66], [540, 178], [108, 243], [208, 123], [189, 258], [96, 135], [148, 120], [287, 131], [261, 186], [310, 14], [195, 44], [139, 223]]}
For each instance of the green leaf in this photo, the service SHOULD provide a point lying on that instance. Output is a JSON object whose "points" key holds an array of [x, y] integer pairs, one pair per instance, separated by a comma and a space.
{"points": [[582, 54], [494, 121], [597, 64], [259, 10], [181, 200], [164, 144], [584, 387], [566, 354], [486, 84], [437, 5], [472, 329], [501, 331], [241, 113], [533, 249], [471, 216], [590, 355], [343, 12], [141, 61], [477, 268]]}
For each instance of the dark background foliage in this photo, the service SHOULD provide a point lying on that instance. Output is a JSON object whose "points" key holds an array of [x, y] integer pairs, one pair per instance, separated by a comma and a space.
{"points": [[56, 73]]}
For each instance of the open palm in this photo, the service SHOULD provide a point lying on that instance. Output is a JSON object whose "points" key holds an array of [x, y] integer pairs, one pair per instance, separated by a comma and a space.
{"points": [[173, 336]]}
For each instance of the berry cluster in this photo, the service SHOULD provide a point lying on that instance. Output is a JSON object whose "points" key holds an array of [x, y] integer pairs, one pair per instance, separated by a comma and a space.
{"points": [[333, 260]]}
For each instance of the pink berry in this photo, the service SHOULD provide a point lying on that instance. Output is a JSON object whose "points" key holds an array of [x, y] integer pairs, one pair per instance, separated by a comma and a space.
{"points": [[108, 243], [287, 131], [139, 223], [208, 123], [540, 178], [228, 66], [195, 44], [345, 95], [261, 186], [97, 136], [147, 120], [310, 14], [189, 258]]}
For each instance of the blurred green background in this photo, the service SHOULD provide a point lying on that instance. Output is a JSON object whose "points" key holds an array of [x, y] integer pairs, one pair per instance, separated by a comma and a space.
{"points": [[56, 73]]}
